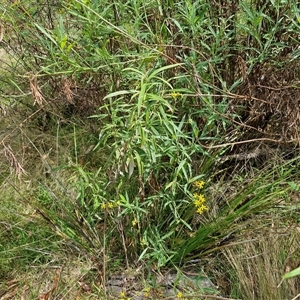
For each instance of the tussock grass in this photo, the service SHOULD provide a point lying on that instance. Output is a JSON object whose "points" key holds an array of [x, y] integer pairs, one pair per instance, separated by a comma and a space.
{"points": [[259, 263]]}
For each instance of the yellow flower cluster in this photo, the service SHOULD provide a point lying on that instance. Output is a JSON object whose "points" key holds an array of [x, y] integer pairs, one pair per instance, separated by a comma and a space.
{"points": [[175, 95], [199, 184], [199, 202], [110, 205], [147, 291], [134, 222], [199, 199]]}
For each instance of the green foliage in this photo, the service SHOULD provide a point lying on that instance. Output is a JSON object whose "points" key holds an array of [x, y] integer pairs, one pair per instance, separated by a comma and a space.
{"points": [[291, 274], [153, 97], [266, 190]]}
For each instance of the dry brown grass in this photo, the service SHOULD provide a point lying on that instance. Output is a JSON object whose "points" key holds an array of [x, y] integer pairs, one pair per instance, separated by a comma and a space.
{"points": [[260, 263], [66, 278]]}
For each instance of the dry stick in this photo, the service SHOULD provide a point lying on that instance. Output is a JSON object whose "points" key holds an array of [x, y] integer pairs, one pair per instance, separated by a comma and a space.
{"points": [[296, 297], [246, 141], [1, 32]]}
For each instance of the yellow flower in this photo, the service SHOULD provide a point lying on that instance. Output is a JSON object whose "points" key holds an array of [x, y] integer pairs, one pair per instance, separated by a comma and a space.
{"points": [[198, 203], [146, 291], [118, 203], [175, 95], [144, 242], [201, 209], [180, 296], [123, 295], [110, 205], [199, 199], [134, 222], [199, 184], [103, 205]]}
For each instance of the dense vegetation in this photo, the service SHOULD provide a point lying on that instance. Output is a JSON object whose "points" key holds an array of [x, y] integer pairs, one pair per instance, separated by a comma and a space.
{"points": [[146, 135]]}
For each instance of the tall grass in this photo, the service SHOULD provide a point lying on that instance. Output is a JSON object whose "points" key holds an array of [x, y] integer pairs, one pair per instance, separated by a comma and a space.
{"points": [[124, 113], [259, 266]]}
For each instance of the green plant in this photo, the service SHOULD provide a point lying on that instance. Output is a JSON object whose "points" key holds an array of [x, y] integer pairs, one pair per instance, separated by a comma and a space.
{"points": [[259, 194], [293, 273], [172, 89]]}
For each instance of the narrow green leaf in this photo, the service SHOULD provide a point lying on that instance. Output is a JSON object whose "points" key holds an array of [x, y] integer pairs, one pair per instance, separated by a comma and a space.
{"points": [[47, 34], [141, 99], [153, 74], [119, 93], [291, 274]]}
